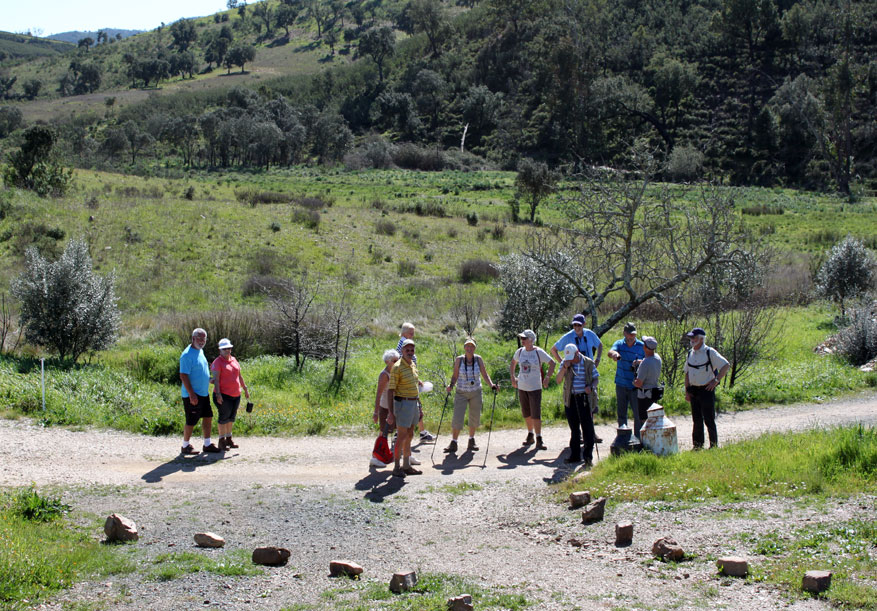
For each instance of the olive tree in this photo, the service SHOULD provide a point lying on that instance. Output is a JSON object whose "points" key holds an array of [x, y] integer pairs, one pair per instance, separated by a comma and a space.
{"points": [[848, 272], [64, 304]]}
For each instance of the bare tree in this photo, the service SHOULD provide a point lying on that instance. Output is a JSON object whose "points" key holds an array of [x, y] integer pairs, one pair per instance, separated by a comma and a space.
{"points": [[344, 314], [293, 302], [466, 309], [632, 242]]}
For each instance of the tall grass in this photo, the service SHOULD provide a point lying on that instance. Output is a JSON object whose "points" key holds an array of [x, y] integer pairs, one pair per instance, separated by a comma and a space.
{"points": [[837, 461]]}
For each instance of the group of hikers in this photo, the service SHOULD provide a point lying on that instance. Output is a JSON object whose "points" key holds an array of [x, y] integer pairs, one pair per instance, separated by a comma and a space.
{"points": [[397, 400], [578, 352]]}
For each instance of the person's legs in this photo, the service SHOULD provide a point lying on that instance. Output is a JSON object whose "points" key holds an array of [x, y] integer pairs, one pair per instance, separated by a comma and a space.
{"points": [[403, 445], [621, 404], [187, 433], [460, 403], [587, 424], [524, 399], [575, 425], [642, 409], [206, 427], [696, 419], [708, 409], [536, 415], [476, 404]]}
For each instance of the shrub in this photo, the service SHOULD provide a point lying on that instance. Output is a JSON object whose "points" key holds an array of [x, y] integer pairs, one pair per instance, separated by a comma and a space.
{"points": [[472, 218], [260, 285], [156, 363], [30, 505], [313, 203], [274, 226], [34, 167], [252, 197], [385, 227], [406, 268], [189, 193], [498, 232], [857, 342], [307, 218], [249, 331], [760, 209], [412, 157], [478, 270], [685, 163], [848, 272], [65, 305]]}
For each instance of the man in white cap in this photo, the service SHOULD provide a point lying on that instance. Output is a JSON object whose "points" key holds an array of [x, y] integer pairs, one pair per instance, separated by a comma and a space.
{"points": [[648, 375], [530, 383], [589, 344], [579, 375], [704, 370]]}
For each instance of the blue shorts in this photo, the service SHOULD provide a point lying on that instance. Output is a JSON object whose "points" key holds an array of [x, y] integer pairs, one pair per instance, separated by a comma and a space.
{"points": [[406, 412]]}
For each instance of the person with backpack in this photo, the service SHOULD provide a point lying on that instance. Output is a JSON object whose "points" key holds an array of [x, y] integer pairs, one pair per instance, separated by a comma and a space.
{"points": [[381, 454], [704, 370], [647, 382], [530, 383], [469, 369]]}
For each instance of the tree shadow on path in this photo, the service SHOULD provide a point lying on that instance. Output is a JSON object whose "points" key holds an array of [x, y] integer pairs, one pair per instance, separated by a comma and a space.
{"points": [[181, 464]]}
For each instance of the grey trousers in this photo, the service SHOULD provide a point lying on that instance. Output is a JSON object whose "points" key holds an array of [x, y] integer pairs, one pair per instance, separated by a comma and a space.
{"points": [[625, 399]]}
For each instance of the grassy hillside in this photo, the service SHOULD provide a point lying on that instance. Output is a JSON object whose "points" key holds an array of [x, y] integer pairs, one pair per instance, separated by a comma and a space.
{"points": [[15, 48]]}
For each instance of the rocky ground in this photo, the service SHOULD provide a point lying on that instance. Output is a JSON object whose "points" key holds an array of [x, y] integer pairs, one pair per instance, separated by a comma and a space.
{"points": [[500, 527]]}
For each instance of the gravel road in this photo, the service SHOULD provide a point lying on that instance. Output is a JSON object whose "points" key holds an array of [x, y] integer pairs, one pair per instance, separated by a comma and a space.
{"points": [[499, 527]]}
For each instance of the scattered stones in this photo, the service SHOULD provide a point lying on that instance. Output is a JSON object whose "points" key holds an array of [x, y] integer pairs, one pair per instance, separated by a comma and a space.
{"points": [[579, 499], [344, 568], [271, 556], [209, 539], [816, 581], [623, 533], [463, 602], [735, 566], [666, 548], [403, 581], [120, 528], [594, 511]]}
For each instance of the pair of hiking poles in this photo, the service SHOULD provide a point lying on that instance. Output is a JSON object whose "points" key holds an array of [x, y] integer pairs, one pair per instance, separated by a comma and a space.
{"points": [[441, 419]]}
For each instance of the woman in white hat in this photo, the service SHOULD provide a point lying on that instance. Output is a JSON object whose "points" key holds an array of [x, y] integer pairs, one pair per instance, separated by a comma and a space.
{"points": [[469, 369], [225, 375], [530, 383]]}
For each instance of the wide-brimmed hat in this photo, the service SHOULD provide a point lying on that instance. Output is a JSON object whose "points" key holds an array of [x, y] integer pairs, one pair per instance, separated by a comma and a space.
{"points": [[225, 343]]}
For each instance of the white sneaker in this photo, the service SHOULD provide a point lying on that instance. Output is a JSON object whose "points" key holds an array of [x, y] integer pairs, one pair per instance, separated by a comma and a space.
{"points": [[374, 462], [413, 460]]}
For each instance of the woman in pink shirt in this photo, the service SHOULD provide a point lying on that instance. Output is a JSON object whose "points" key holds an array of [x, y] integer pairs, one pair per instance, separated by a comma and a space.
{"points": [[225, 375]]}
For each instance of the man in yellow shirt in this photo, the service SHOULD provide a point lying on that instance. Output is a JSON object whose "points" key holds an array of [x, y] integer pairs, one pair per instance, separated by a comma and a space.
{"points": [[402, 393]]}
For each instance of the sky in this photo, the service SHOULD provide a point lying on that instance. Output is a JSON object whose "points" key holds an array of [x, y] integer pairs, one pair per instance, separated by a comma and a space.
{"points": [[54, 16]]}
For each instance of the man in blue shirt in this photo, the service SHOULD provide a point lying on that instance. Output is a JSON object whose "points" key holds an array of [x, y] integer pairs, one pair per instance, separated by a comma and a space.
{"points": [[624, 352], [588, 343], [195, 378]]}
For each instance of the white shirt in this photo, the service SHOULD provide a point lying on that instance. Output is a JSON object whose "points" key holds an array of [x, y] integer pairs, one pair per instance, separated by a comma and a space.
{"points": [[530, 372], [699, 366]]}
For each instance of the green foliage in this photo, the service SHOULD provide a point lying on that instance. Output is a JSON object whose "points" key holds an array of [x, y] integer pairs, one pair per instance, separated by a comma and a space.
{"points": [[236, 563], [33, 167], [848, 272], [857, 341], [838, 461], [28, 504], [65, 305]]}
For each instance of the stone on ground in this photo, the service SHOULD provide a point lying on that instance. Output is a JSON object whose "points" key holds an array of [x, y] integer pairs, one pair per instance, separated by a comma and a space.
{"points": [[735, 566], [463, 602], [623, 533], [403, 581], [209, 539], [666, 548], [119, 528], [271, 556], [594, 511], [579, 499], [342, 568], [816, 581]]}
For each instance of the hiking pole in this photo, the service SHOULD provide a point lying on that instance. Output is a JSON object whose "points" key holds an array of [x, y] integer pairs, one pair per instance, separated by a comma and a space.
{"points": [[439, 429], [490, 430]]}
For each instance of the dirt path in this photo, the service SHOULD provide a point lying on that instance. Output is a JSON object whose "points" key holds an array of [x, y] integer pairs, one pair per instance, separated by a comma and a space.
{"points": [[499, 528]]}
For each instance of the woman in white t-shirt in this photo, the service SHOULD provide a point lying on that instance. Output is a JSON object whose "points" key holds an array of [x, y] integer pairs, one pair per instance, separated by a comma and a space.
{"points": [[530, 383]]}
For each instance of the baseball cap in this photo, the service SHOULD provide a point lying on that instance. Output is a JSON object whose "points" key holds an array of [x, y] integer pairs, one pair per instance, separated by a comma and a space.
{"points": [[408, 342], [650, 342], [528, 334], [225, 343], [629, 328], [569, 353], [578, 319], [695, 331], [469, 340]]}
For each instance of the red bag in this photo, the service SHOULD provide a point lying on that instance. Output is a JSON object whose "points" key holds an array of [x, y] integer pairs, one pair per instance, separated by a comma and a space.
{"points": [[382, 451]]}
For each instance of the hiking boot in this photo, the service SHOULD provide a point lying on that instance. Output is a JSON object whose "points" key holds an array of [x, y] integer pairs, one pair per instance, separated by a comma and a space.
{"points": [[540, 445], [411, 471], [452, 447], [426, 436], [189, 449], [529, 440], [211, 449], [229, 443], [472, 447], [374, 462], [598, 439], [397, 472], [222, 444]]}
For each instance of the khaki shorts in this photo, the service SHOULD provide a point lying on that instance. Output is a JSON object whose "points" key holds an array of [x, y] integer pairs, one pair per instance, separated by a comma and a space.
{"points": [[531, 403], [462, 400], [406, 412]]}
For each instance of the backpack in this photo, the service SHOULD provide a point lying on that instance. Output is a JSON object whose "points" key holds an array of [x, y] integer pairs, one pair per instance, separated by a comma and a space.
{"points": [[382, 451], [709, 361]]}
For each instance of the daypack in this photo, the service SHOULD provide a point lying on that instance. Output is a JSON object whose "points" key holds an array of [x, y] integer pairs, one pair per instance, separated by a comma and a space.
{"points": [[382, 451]]}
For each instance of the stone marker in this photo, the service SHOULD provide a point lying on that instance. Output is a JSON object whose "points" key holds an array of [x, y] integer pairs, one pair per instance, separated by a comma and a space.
{"points": [[403, 581], [579, 499], [666, 548], [209, 539], [341, 568], [623, 533], [463, 602], [594, 511], [120, 528], [816, 581], [271, 556], [735, 566]]}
